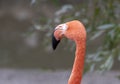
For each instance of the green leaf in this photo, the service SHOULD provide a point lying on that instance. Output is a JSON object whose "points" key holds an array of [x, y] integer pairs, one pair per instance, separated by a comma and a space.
{"points": [[96, 35], [105, 26], [109, 63], [92, 67]]}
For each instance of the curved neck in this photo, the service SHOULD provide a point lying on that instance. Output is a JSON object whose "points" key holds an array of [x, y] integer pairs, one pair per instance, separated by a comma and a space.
{"points": [[78, 66]]}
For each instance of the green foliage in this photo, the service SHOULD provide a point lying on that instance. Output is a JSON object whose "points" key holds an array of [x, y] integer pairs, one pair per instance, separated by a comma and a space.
{"points": [[105, 24], [103, 58]]}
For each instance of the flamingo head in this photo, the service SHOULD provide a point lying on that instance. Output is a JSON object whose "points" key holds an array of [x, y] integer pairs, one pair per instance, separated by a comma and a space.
{"points": [[72, 30], [58, 34]]}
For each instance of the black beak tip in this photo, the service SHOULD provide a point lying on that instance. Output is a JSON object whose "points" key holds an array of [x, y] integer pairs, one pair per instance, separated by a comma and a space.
{"points": [[55, 42]]}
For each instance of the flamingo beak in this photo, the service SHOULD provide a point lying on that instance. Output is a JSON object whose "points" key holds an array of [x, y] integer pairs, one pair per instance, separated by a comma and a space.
{"points": [[58, 34], [55, 42]]}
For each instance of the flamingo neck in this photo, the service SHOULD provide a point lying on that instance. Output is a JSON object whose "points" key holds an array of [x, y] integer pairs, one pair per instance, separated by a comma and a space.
{"points": [[78, 66]]}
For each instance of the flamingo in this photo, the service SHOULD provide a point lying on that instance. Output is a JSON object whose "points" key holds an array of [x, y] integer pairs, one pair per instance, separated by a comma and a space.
{"points": [[75, 31]]}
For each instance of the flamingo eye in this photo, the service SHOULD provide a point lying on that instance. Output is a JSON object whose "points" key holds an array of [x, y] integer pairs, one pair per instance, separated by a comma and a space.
{"points": [[62, 27]]}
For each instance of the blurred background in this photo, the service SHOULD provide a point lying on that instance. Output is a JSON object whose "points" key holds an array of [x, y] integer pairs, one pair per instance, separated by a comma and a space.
{"points": [[26, 55]]}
